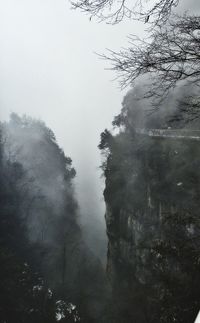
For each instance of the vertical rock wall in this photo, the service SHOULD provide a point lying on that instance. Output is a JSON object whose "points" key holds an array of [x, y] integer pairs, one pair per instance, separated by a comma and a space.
{"points": [[150, 223]]}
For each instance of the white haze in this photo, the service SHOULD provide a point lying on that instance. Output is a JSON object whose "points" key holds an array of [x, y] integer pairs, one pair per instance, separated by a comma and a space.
{"points": [[48, 70]]}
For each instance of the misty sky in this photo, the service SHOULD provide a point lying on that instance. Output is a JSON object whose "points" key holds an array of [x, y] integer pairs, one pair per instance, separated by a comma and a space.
{"points": [[48, 70]]}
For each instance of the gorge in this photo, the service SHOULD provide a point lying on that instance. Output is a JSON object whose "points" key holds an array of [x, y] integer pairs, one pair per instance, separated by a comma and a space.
{"points": [[99, 226], [151, 194]]}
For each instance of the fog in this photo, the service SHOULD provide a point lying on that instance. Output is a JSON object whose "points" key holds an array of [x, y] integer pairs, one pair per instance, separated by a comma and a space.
{"points": [[49, 70]]}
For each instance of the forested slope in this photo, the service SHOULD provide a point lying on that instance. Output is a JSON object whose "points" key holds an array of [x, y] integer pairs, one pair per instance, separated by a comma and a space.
{"points": [[47, 273]]}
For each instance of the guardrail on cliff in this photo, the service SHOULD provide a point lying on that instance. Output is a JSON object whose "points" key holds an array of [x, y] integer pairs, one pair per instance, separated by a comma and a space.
{"points": [[170, 133]]}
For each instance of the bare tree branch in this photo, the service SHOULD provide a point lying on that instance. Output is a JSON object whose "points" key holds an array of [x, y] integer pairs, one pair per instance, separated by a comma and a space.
{"points": [[170, 55], [113, 11]]}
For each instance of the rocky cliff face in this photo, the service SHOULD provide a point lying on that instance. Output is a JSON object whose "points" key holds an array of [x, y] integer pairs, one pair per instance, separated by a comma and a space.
{"points": [[152, 207]]}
